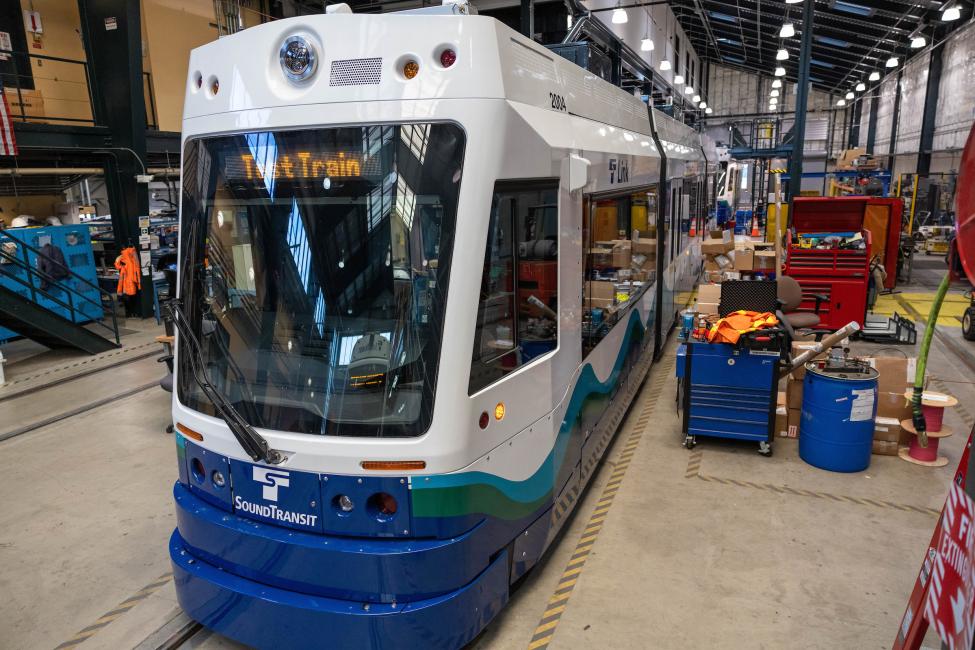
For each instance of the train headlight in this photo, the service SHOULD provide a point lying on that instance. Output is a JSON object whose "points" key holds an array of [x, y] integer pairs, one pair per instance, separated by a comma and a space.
{"points": [[298, 58]]}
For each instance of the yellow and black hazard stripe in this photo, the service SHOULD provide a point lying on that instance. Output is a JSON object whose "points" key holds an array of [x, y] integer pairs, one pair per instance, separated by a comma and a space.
{"points": [[123, 607], [545, 630], [778, 170]]}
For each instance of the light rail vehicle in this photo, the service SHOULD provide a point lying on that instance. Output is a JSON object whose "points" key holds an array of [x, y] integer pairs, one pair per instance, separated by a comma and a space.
{"points": [[425, 265]]}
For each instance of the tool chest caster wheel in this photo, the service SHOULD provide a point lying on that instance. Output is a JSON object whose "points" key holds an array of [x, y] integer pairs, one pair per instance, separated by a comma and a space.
{"points": [[765, 449], [690, 442]]}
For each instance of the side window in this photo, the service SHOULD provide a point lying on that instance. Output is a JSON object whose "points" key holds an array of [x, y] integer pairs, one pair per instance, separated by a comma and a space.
{"points": [[517, 312], [620, 259]]}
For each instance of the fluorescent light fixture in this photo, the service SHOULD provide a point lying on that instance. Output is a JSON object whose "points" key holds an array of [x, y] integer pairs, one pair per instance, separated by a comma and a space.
{"points": [[678, 79], [777, 83], [646, 45], [782, 54], [780, 71], [951, 12], [619, 16], [665, 65], [697, 99], [842, 102], [892, 62], [568, 21], [708, 110], [849, 95], [689, 90], [788, 31], [792, 2], [861, 87], [874, 76], [703, 105], [774, 93], [918, 42]]}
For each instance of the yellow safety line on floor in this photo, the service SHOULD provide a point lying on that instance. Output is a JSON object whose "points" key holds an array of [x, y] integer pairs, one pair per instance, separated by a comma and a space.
{"points": [[123, 607], [545, 630], [694, 466]]}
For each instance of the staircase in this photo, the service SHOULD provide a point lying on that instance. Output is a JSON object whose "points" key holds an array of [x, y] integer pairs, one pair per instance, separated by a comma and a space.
{"points": [[57, 313]]}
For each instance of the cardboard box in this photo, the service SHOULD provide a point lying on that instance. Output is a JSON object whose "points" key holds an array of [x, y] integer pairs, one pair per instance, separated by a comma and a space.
{"points": [[764, 261], [644, 246], [781, 422], [706, 307], [780, 399], [622, 254], [883, 448], [716, 246], [792, 423], [600, 289], [598, 303], [888, 430], [793, 393], [709, 293], [717, 263], [744, 260], [896, 375]]}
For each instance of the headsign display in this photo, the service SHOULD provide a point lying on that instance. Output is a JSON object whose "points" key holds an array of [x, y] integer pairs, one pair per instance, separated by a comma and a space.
{"points": [[301, 165]]}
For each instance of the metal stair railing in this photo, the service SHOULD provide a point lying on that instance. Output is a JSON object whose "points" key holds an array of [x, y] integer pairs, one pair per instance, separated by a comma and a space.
{"points": [[58, 283]]}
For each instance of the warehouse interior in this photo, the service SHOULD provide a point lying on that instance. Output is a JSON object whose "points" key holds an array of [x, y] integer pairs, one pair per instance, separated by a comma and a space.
{"points": [[723, 326]]}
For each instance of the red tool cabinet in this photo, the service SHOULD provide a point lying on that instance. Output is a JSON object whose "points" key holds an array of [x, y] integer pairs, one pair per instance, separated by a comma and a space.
{"points": [[840, 275]]}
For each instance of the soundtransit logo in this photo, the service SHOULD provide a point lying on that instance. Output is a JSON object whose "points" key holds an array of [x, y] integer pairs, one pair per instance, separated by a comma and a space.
{"points": [[271, 480]]}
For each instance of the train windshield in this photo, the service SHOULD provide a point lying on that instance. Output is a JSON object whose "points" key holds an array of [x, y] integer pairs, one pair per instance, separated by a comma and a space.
{"points": [[314, 273]]}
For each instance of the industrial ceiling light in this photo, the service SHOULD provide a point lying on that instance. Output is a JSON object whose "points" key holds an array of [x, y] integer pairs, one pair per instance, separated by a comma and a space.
{"points": [[842, 102], [708, 110], [788, 31], [774, 93], [689, 90], [619, 16], [849, 95], [892, 62], [678, 79], [697, 99], [874, 76], [773, 101], [918, 42], [950, 11], [777, 83], [782, 54], [665, 65], [704, 105], [646, 45], [780, 71], [861, 87]]}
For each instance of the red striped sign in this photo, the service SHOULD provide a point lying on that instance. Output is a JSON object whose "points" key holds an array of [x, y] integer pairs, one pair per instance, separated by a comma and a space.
{"points": [[8, 142]]}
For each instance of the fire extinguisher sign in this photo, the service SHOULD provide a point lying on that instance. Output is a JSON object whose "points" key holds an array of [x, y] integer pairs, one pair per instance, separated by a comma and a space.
{"points": [[950, 605]]}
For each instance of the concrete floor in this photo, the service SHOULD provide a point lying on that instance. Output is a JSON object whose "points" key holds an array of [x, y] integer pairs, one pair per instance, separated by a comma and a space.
{"points": [[711, 548]]}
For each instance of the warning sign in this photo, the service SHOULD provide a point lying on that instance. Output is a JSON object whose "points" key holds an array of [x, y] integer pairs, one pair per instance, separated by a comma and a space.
{"points": [[950, 605]]}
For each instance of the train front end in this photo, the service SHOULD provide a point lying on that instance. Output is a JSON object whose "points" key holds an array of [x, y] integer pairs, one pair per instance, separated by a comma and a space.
{"points": [[329, 188]]}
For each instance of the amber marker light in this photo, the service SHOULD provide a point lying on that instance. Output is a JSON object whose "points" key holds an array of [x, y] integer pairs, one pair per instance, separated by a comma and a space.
{"points": [[410, 69], [188, 432], [393, 465], [499, 411]]}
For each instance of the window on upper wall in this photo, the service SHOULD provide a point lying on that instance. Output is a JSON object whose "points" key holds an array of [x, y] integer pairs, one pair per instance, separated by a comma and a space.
{"points": [[619, 237], [517, 313]]}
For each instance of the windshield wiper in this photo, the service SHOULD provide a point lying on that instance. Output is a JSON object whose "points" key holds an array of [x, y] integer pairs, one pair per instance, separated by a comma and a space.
{"points": [[253, 443]]}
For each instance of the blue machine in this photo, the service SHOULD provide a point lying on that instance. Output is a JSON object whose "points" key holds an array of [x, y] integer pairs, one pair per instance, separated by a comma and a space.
{"points": [[82, 302], [839, 406], [728, 391]]}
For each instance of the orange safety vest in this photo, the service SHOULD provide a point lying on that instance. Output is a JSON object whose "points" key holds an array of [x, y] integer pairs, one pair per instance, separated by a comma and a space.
{"points": [[730, 328], [129, 272]]}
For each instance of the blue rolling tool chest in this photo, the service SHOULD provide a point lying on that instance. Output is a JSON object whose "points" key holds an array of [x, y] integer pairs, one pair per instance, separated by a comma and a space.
{"points": [[729, 391]]}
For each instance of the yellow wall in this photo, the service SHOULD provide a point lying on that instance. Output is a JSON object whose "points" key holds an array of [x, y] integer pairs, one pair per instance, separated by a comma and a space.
{"points": [[62, 86], [37, 206], [173, 28]]}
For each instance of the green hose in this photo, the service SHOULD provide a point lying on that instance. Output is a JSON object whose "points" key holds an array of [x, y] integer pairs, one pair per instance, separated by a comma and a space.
{"points": [[922, 361]]}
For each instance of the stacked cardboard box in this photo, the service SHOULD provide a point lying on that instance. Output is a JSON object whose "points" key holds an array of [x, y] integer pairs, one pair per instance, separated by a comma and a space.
{"points": [[708, 297], [896, 375], [717, 251], [781, 416], [599, 294]]}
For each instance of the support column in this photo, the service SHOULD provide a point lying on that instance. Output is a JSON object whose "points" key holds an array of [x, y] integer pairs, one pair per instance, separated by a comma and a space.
{"points": [[854, 140], [933, 90], [893, 123], [115, 65], [528, 18], [872, 122], [802, 98]]}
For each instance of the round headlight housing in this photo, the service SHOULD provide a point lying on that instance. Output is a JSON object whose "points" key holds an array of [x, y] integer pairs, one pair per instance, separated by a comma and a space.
{"points": [[298, 58]]}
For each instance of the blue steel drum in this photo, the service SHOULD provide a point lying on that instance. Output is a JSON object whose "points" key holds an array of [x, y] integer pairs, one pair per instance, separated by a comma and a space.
{"points": [[838, 413]]}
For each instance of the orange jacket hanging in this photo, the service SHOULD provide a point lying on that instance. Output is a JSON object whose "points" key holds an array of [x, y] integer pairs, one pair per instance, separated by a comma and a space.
{"points": [[129, 272], [730, 328]]}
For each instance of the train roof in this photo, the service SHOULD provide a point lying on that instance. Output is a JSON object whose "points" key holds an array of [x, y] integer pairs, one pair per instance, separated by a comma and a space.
{"points": [[360, 58], [677, 139]]}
